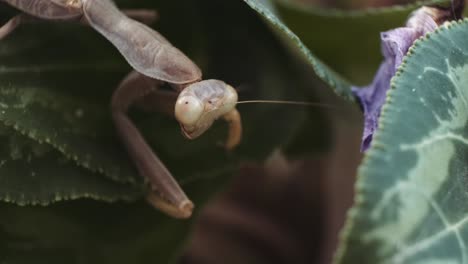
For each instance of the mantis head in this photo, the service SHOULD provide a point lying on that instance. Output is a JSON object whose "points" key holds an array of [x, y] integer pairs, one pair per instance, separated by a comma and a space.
{"points": [[201, 103], [72, 3]]}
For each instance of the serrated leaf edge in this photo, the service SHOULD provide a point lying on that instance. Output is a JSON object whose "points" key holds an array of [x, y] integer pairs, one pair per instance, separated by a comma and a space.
{"points": [[66, 153], [341, 13], [378, 146], [340, 85]]}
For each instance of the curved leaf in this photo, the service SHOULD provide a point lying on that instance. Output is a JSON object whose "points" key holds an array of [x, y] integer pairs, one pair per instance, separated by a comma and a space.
{"points": [[88, 232], [336, 12], [43, 176], [344, 40], [347, 41], [268, 12], [412, 203]]}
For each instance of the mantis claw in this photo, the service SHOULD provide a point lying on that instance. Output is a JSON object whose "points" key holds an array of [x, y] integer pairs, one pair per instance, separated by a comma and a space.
{"points": [[9, 26], [235, 129], [181, 211]]}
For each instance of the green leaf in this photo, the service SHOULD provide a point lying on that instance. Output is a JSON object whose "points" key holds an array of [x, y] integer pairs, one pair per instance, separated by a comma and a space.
{"points": [[411, 196], [42, 175], [347, 41], [266, 10], [47, 94], [89, 232]]}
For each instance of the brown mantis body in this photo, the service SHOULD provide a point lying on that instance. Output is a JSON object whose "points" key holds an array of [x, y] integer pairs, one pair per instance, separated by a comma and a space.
{"points": [[155, 60]]}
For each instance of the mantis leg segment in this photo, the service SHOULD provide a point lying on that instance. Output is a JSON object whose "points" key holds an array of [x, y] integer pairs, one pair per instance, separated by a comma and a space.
{"points": [[166, 195], [145, 49], [235, 129], [145, 16], [11, 25]]}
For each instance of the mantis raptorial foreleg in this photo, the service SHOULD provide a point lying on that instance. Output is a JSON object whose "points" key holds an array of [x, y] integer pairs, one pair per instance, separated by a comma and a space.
{"points": [[144, 16], [155, 60], [196, 109], [235, 129], [62, 10], [10, 26], [167, 194]]}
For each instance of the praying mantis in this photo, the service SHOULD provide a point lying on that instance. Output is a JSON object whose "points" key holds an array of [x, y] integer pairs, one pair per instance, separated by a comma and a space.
{"points": [[196, 103]]}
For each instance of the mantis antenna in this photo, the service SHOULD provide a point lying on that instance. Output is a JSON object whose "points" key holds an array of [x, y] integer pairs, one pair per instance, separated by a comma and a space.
{"points": [[287, 103]]}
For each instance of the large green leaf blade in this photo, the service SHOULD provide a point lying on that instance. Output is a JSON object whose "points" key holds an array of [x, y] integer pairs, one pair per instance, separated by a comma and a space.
{"points": [[84, 231], [412, 202], [346, 40], [43, 176], [47, 94], [267, 10], [339, 45]]}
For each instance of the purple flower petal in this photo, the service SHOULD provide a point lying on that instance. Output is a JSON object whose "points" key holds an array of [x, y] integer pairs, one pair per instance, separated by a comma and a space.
{"points": [[394, 45]]}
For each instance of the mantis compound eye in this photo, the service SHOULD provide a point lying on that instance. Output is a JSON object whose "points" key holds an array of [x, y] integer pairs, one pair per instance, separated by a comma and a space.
{"points": [[201, 103], [188, 110]]}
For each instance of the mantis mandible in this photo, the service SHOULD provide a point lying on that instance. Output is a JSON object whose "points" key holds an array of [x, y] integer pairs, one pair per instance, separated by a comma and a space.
{"points": [[196, 103]]}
